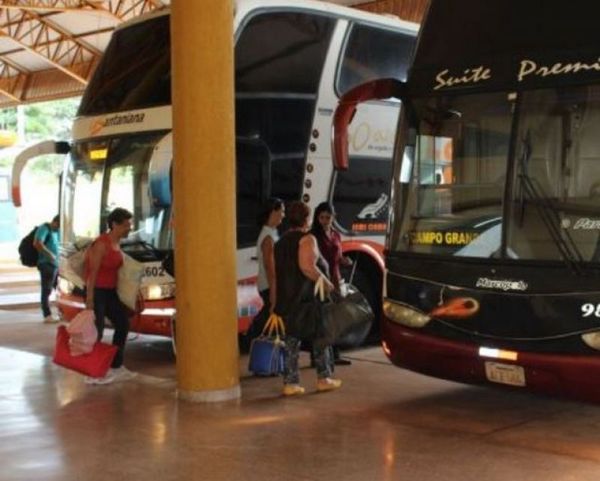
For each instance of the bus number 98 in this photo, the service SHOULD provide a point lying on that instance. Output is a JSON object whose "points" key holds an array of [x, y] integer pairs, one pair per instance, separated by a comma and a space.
{"points": [[590, 310]]}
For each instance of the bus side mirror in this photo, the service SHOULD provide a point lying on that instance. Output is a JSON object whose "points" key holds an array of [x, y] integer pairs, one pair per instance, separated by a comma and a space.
{"points": [[344, 113]]}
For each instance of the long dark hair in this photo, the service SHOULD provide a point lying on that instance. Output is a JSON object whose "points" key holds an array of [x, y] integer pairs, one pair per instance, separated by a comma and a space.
{"points": [[317, 229], [273, 203]]}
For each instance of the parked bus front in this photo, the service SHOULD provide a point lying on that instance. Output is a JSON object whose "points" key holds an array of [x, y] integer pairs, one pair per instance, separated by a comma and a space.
{"points": [[493, 246], [493, 261]]}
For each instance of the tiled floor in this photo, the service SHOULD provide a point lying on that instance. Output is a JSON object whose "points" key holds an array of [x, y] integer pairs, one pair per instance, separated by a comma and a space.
{"points": [[384, 424]]}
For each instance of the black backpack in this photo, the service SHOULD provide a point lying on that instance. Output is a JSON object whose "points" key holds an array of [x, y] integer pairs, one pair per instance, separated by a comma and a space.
{"points": [[27, 252]]}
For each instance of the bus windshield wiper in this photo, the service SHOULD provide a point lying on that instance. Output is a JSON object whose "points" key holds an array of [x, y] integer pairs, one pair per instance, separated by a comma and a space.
{"points": [[147, 248], [547, 210]]}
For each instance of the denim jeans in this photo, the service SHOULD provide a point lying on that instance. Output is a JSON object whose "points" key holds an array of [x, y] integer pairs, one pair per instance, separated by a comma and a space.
{"points": [[291, 375], [47, 280]]}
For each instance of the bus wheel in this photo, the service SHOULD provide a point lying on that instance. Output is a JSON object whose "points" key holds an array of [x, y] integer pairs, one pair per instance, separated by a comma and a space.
{"points": [[173, 337], [367, 280]]}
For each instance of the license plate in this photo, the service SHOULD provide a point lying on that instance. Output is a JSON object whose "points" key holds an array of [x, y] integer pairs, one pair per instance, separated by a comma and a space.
{"points": [[505, 373]]}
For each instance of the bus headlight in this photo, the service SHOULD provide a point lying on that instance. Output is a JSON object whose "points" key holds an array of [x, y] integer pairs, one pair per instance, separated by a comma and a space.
{"points": [[404, 314], [65, 286], [592, 339], [156, 292]]}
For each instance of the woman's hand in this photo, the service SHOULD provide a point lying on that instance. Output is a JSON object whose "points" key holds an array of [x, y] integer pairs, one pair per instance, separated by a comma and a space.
{"points": [[327, 284]]}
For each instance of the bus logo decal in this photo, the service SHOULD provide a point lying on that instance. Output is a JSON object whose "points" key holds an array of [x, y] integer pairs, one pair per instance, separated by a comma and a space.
{"points": [[502, 284], [586, 223], [529, 67], [469, 76], [96, 127], [126, 119]]}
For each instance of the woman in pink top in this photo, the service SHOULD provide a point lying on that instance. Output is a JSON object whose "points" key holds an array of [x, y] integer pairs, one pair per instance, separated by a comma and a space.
{"points": [[104, 259]]}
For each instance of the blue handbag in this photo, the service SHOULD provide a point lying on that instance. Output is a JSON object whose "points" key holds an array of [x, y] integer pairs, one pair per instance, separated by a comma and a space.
{"points": [[267, 350]]}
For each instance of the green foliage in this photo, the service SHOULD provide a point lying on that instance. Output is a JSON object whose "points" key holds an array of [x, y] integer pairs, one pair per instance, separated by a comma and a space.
{"points": [[43, 121]]}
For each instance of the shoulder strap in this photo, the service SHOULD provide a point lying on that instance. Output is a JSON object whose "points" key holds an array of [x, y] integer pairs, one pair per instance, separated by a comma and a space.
{"points": [[48, 233]]}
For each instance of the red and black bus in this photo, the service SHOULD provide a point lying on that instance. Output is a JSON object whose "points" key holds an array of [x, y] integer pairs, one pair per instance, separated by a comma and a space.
{"points": [[493, 245]]}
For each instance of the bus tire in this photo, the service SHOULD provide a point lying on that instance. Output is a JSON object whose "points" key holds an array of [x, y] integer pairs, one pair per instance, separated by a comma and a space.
{"points": [[367, 279]]}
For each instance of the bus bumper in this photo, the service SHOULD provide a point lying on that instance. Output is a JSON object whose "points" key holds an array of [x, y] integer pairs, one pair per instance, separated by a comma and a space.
{"points": [[572, 376], [155, 318]]}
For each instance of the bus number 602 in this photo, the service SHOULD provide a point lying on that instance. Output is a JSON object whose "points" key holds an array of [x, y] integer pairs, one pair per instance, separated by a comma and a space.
{"points": [[155, 271]]}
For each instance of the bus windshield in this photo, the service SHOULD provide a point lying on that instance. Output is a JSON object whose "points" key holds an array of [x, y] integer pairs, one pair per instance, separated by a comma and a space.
{"points": [[132, 78], [467, 189], [104, 174]]}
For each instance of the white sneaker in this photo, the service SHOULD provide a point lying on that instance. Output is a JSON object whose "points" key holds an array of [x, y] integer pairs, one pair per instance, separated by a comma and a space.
{"points": [[51, 319], [107, 379], [122, 374]]}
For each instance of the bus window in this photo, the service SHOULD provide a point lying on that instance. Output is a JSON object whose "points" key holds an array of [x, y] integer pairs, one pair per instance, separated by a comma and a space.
{"points": [[132, 78], [361, 195], [126, 185], [557, 173], [84, 178], [253, 188], [462, 152], [373, 53], [276, 91], [291, 64]]}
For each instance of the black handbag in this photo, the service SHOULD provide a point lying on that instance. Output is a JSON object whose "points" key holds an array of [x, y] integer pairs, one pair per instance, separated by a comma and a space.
{"points": [[345, 321], [303, 318], [340, 321]]}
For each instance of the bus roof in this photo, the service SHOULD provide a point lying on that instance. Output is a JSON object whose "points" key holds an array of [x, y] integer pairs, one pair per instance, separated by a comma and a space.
{"points": [[242, 7], [327, 8], [474, 45]]}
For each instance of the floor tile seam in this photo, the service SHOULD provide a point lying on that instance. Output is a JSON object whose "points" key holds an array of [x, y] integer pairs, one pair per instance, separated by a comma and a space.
{"points": [[539, 450], [488, 438], [540, 417], [279, 473]]}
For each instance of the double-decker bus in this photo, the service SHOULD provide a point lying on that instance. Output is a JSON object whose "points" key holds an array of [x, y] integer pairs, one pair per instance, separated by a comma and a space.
{"points": [[293, 59], [493, 248]]}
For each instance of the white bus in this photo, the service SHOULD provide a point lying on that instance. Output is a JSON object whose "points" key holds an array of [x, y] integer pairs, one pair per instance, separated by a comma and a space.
{"points": [[293, 60]]}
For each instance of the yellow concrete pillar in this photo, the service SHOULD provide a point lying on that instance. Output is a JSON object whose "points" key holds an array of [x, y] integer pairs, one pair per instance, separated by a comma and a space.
{"points": [[204, 193]]}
